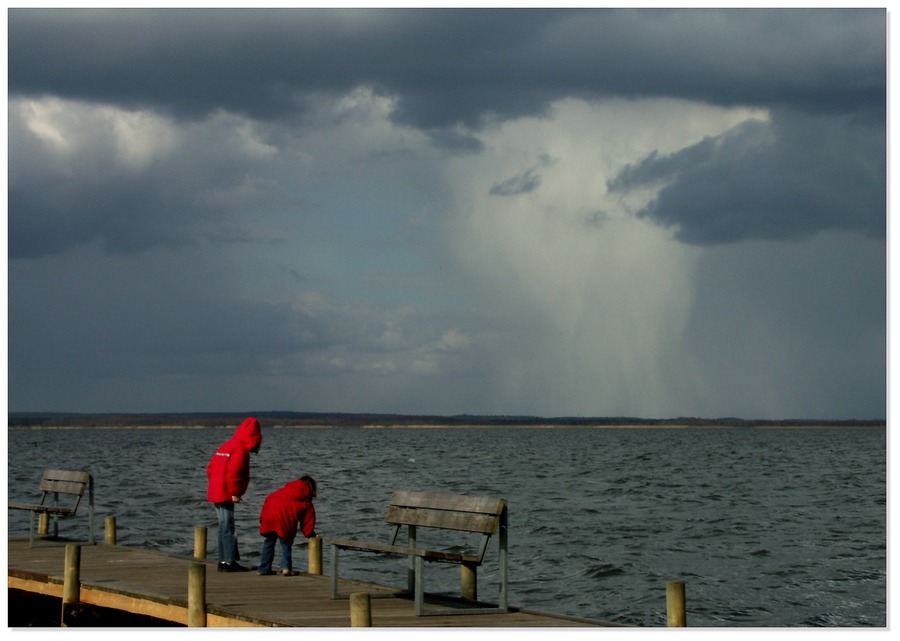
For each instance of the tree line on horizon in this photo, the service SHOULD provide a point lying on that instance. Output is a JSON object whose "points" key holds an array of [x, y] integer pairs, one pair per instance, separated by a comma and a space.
{"points": [[301, 419]]}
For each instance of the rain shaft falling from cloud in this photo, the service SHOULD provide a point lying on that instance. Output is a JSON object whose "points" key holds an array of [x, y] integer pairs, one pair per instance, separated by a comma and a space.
{"points": [[611, 292]]}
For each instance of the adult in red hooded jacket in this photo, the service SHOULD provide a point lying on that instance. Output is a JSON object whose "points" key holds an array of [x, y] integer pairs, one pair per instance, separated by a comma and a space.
{"points": [[283, 511], [228, 473]]}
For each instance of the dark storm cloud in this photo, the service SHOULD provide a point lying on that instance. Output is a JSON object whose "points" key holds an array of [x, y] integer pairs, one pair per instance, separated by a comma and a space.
{"points": [[452, 72], [449, 67], [267, 63], [786, 180]]}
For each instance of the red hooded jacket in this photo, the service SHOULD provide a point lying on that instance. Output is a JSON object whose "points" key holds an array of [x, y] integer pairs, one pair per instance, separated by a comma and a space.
{"points": [[284, 508], [229, 469]]}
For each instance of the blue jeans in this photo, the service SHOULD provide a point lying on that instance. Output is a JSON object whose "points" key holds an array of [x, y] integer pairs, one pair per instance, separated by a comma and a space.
{"points": [[268, 553], [228, 545]]}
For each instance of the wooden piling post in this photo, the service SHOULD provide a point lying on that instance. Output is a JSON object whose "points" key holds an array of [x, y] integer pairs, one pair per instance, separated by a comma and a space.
{"points": [[43, 523], [197, 595], [109, 530], [200, 542], [71, 582], [468, 582], [675, 604], [315, 555], [360, 610]]}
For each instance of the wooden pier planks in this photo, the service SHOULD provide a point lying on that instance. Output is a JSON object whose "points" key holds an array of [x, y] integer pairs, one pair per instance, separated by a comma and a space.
{"points": [[156, 584]]}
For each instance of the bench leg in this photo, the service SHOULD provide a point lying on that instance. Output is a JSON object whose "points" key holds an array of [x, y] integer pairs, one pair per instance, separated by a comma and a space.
{"points": [[504, 564], [334, 572], [411, 573], [420, 588]]}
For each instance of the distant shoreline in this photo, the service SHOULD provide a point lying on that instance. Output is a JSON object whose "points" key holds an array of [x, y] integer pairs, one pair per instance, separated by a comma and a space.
{"points": [[323, 420], [435, 426]]}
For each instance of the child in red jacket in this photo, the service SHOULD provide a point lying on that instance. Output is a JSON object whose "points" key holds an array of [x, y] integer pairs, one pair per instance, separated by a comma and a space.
{"points": [[229, 474], [282, 512]]}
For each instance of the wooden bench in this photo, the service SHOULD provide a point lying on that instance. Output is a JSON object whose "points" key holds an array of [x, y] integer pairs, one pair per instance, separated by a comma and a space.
{"points": [[71, 485], [480, 515]]}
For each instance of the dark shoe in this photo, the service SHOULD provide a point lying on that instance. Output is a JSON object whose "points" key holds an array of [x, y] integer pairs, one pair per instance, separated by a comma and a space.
{"points": [[269, 573], [234, 566]]}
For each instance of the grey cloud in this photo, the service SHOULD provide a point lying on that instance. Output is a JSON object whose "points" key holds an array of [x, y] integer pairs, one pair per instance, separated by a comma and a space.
{"points": [[521, 184], [596, 219], [449, 67], [91, 328], [773, 322], [784, 180], [230, 233], [266, 63], [61, 200], [524, 183], [452, 72], [454, 141], [99, 319]]}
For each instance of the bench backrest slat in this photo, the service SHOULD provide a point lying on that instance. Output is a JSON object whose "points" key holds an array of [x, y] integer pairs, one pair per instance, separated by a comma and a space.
{"points": [[65, 481], [479, 514]]}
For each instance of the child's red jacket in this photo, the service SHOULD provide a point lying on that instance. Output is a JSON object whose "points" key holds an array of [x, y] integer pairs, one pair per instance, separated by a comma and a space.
{"points": [[287, 507], [229, 468]]}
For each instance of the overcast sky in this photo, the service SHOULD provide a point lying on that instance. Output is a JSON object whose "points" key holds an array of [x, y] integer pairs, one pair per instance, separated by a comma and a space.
{"points": [[650, 213]]}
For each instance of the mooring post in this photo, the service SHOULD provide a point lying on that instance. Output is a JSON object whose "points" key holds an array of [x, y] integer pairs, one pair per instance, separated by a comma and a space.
{"points": [[109, 530], [197, 595], [468, 582], [200, 542], [315, 555], [71, 583], [360, 610], [43, 523], [675, 606]]}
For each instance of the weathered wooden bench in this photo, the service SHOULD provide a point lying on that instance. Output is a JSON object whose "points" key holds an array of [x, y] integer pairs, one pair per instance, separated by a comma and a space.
{"points": [[71, 485], [468, 514]]}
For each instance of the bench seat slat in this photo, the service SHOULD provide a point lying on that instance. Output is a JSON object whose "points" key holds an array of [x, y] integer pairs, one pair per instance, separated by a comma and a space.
{"points": [[49, 509]]}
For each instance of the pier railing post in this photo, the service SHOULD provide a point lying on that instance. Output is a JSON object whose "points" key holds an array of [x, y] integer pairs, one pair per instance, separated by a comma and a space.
{"points": [[200, 542], [360, 610], [315, 555], [675, 604], [197, 595], [109, 530], [71, 583]]}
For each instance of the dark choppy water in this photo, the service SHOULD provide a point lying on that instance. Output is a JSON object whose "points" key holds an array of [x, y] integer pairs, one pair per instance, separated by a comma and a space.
{"points": [[777, 527]]}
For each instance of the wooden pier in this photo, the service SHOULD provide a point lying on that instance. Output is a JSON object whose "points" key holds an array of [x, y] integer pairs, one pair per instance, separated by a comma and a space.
{"points": [[155, 584]]}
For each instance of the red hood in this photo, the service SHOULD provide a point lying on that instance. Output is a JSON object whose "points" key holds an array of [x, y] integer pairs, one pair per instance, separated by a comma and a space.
{"points": [[298, 491], [249, 433]]}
